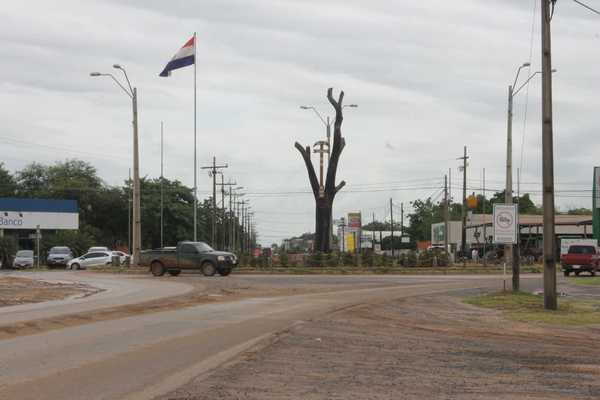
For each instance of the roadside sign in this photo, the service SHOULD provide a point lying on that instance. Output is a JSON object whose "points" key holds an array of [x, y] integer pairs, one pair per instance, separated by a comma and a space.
{"points": [[506, 223]]}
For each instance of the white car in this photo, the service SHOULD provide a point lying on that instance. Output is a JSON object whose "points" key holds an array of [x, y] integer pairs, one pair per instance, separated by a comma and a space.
{"points": [[92, 259], [123, 257], [97, 248]]}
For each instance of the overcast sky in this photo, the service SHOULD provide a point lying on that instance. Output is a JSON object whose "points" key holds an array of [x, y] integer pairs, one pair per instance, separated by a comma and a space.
{"points": [[428, 76]]}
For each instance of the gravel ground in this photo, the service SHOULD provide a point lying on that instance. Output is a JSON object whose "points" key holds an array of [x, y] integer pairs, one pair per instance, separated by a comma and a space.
{"points": [[429, 347], [15, 291]]}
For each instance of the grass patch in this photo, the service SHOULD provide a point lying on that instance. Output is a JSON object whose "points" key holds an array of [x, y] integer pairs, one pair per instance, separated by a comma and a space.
{"points": [[591, 281], [526, 307]]}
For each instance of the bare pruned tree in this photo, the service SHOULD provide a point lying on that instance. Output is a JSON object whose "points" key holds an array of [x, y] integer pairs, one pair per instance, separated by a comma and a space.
{"points": [[324, 198]]}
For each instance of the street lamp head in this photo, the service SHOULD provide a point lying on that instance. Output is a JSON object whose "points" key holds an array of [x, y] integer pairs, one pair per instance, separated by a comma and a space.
{"points": [[527, 64], [117, 66], [353, 105], [305, 107], [553, 70], [95, 74]]}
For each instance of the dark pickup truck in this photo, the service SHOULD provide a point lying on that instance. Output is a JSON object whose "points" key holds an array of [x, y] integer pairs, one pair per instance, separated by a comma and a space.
{"points": [[580, 258], [189, 255]]}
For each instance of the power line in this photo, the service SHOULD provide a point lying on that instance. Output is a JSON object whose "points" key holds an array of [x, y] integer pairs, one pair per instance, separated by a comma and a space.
{"points": [[582, 4]]}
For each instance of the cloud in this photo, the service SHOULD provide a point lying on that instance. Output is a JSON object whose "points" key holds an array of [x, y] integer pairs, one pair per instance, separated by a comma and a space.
{"points": [[429, 78]]}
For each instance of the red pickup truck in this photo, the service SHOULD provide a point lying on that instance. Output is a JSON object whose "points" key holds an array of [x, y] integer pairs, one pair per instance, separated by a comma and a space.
{"points": [[580, 258]]}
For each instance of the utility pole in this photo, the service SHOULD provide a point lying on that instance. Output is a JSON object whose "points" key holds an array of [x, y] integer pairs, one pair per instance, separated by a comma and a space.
{"points": [[401, 220], [321, 147], [508, 197], [242, 225], [137, 224], [392, 224], [162, 220], [224, 229], [550, 301], [373, 234], [213, 169], [129, 200], [463, 244], [484, 223], [446, 213]]}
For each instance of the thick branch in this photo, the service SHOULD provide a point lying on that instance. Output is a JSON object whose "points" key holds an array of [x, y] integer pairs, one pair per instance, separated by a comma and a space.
{"points": [[338, 142], [312, 176], [340, 186]]}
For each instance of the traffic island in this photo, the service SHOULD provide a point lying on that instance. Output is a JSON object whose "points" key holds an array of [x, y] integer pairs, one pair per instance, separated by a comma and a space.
{"points": [[15, 291], [527, 307]]}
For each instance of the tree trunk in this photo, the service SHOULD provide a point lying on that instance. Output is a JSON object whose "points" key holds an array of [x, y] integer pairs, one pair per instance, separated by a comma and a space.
{"points": [[323, 224], [324, 200]]}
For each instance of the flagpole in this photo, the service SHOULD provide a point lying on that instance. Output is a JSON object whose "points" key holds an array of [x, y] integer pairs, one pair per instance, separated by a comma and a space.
{"points": [[195, 151]]}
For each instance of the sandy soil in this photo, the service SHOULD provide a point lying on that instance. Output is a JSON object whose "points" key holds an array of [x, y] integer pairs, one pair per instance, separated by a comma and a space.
{"points": [[430, 347], [14, 291], [206, 290]]}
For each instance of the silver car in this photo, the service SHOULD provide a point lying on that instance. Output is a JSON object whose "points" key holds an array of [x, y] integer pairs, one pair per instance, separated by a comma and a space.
{"points": [[59, 255], [23, 259], [92, 259]]}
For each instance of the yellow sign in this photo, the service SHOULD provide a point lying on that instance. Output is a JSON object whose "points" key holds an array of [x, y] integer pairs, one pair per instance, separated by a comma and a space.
{"points": [[472, 201], [350, 242]]}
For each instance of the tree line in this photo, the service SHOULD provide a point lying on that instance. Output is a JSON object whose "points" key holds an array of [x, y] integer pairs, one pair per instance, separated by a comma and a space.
{"points": [[103, 209]]}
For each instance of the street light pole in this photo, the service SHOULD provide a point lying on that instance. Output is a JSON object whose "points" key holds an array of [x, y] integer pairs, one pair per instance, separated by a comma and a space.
{"points": [[508, 194], [137, 223], [511, 252], [137, 229]]}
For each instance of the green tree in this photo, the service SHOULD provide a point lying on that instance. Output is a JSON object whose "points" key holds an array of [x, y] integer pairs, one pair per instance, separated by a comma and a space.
{"points": [[8, 248], [7, 182]]}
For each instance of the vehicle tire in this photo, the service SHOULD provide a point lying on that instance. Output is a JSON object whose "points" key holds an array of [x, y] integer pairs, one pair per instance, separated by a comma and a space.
{"points": [[208, 269], [593, 273], [157, 268], [174, 272], [75, 266], [577, 273], [566, 273], [224, 271]]}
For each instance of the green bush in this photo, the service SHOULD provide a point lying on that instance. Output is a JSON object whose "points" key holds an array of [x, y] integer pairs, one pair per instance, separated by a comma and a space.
{"points": [[284, 260], [315, 259], [410, 259], [347, 259], [368, 259], [78, 241], [333, 260]]}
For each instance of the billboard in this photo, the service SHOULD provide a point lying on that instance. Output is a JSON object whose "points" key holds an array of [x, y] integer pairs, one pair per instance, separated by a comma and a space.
{"points": [[32, 214], [506, 223], [354, 220]]}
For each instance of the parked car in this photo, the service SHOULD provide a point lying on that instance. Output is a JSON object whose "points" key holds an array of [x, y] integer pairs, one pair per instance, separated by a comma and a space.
{"points": [[97, 248], [190, 255], [23, 259], [59, 255], [124, 258], [92, 259], [580, 258]]}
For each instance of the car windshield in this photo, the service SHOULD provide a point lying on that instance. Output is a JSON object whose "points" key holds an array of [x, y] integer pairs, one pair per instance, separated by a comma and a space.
{"points": [[59, 250], [203, 247], [25, 253]]}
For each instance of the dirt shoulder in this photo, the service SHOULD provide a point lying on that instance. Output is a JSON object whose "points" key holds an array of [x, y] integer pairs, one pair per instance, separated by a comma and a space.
{"points": [[429, 347], [205, 291], [15, 291]]}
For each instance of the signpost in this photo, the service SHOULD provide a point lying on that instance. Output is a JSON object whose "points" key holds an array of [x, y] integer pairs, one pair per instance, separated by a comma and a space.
{"points": [[596, 203], [506, 226]]}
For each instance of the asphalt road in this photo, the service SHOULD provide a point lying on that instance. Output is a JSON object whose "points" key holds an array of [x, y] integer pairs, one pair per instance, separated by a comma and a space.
{"points": [[141, 357]]}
